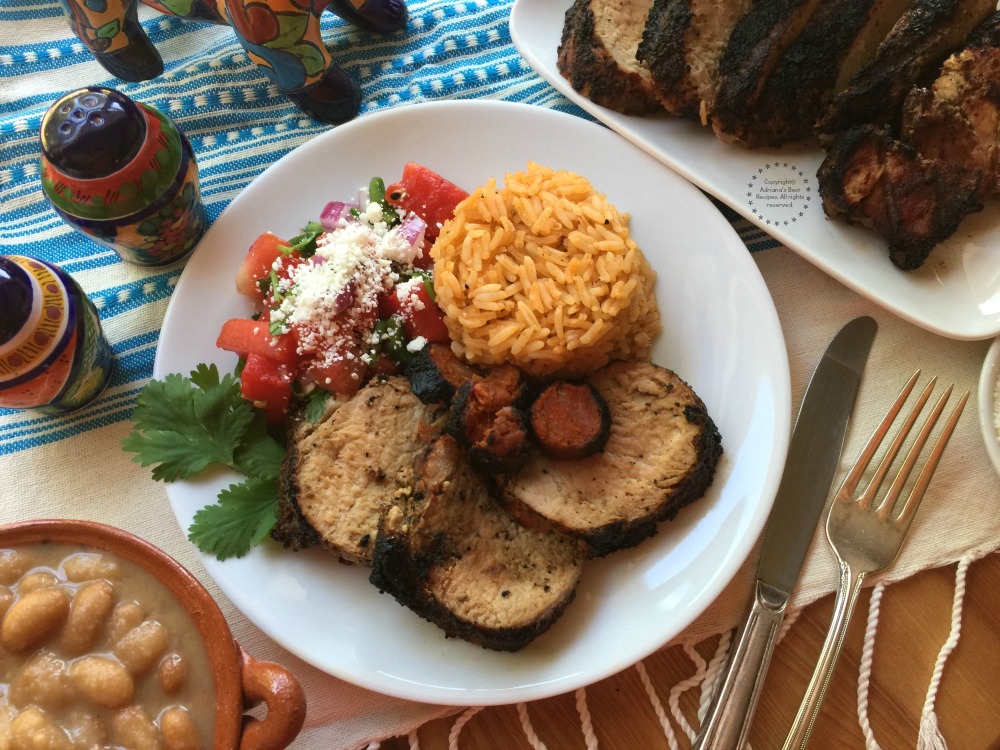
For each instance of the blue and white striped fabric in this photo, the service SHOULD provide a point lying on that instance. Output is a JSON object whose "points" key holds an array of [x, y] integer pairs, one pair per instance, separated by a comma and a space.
{"points": [[238, 124]]}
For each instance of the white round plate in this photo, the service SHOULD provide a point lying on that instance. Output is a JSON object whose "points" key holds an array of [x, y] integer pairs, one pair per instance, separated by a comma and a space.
{"points": [[989, 403], [721, 334]]}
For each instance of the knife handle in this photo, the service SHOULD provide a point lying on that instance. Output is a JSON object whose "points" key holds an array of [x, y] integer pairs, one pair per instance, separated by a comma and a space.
{"points": [[728, 721]]}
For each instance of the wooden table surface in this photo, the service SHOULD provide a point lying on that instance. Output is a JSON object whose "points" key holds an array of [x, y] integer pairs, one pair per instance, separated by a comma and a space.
{"points": [[915, 619]]}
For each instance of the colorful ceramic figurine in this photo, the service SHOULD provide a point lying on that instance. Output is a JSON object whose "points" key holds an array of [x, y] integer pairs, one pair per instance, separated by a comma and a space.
{"points": [[53, 354], [282, 36], [123, 174]]}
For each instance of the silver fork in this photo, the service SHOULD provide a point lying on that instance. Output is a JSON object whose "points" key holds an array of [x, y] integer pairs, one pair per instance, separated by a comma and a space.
{"points": [[866, 535]]}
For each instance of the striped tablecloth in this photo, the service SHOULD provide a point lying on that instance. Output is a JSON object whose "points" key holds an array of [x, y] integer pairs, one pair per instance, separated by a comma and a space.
{"points": [[238, 124]]}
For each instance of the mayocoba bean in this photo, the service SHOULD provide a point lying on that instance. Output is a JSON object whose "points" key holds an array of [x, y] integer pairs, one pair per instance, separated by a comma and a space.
{"points": [[88, 614], [141, 647], [83, 663], [102, 681], [179, 731], [171, 673], [33, 617], [42, 680]]}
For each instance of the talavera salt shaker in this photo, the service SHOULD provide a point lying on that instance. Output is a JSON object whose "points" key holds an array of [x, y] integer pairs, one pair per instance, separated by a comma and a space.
{"points": [[54, 356], [122, 173]]}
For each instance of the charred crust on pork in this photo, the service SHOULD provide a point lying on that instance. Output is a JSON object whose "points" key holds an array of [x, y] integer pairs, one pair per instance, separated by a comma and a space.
{"points": [[987, 34], [794, 96], [923, 37], [755, 48], [871, 179], [435, 374], [957, 119], [291, 528], [602, 66], [662, 49], [455, 557], [616, 498]]}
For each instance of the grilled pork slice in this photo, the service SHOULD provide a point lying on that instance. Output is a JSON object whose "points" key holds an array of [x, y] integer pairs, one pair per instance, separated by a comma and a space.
{"points": [[923, 37], [435, 373], [755, 48], [840, 36], [957, 119], [339, 475], [681, 45], [987, 34], [660, 456], [871, 179], [597, 54], [454, 556]]}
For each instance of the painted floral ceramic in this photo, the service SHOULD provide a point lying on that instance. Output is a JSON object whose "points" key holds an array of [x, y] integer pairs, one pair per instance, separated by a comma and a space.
{"points": [[53, 354], [281, 36], [123, 174]]}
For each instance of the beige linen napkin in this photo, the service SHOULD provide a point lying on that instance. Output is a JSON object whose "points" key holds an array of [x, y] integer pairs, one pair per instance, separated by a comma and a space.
{"points": [[90, 477]]}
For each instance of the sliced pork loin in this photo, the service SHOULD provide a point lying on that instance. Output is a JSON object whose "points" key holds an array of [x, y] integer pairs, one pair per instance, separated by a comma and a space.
{"points": [[755, 49], [661, 455], [957, 119], [841, 36], [924, 36], [457, 558], [871, 179], [597, 54], [681, 45], [340, 474]]}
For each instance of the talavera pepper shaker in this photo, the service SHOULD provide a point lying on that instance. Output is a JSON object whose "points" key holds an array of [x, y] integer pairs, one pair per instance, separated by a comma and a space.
{"points": [[123, 174], [54, 356]]}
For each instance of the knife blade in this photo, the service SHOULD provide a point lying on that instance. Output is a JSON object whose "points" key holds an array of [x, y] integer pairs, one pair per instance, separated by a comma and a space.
{"points": [[810, 465]]}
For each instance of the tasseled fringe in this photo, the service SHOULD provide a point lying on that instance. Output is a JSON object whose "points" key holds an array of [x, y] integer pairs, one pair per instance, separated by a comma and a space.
{"points": [[459, 723], [707, 674]]}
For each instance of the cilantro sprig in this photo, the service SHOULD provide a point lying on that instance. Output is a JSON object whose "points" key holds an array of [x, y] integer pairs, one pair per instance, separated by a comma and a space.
{"points": [[183, 425]]}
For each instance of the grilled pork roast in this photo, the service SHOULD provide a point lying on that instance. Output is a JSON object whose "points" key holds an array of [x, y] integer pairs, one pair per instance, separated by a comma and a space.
{"points": [[872, 179], [661, 455], [918, 43], [453, 555], [682, 44], [773, 72], [957, 118], [597, 54]]}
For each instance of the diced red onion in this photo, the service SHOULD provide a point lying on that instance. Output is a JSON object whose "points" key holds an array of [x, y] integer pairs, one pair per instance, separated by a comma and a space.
{"points": [[412, 230], [334, 212], [344, 298]]}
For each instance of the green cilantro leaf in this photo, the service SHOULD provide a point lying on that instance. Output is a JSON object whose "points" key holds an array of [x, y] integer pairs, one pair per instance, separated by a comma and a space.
{"points": [[182, 425], [259, 454], [316, 405], [241, 519], [305, 243]]}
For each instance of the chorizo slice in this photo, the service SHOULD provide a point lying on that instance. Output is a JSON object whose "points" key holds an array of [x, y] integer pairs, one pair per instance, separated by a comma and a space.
{"points": [[570, 420]]}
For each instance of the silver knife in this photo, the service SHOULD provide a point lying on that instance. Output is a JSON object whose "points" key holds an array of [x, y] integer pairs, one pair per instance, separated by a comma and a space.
{"points": [[810, 466]]}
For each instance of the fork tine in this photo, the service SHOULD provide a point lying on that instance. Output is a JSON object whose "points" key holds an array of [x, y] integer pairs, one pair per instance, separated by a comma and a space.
{"points": [[924, 478], [910, 459], [890, 455], [850, 484]]}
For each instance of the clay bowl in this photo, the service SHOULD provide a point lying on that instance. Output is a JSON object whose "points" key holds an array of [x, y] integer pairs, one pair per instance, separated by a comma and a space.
{"points": [[241, 682]]}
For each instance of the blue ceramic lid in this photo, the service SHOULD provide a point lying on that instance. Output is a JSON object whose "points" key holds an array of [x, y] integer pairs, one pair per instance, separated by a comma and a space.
{"points": [[92, 132], [15, 299]]}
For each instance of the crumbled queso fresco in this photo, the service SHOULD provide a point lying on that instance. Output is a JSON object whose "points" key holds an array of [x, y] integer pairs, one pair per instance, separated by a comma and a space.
{"points": [[334, 296]]}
